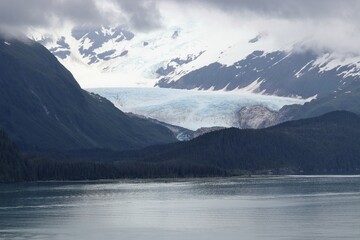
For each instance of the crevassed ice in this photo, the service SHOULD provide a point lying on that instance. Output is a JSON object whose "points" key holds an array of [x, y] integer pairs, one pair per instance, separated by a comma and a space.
{"points": [[190, 109]]}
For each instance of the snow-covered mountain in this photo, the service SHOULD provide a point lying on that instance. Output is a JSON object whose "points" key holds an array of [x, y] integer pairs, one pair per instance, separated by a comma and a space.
{"points": [[117, 57], [284, 73], [188, 57], [192, 57]]}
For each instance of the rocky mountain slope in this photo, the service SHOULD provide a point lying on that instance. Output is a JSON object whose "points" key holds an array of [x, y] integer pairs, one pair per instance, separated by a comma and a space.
{"points": [[42, 107], [303, 74], [185, 58]]}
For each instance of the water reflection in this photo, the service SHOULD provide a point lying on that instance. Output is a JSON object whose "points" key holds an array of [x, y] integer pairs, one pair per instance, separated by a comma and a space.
{"points": [[256, 208]]}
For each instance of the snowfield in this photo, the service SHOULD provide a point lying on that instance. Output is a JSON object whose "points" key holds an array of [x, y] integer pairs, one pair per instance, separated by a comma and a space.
{"points": [[190, 108], [145, 53]]}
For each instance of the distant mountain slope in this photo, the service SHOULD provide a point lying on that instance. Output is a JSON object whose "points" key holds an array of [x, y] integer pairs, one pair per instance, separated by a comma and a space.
{"points": [[346, 99], [326, 144], [42, 106], [186, 58], [108, 56], [12, 167], [282, 73]]}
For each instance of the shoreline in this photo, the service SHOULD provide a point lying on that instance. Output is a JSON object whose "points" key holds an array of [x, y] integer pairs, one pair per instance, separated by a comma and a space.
{"points": [[184, 179]]}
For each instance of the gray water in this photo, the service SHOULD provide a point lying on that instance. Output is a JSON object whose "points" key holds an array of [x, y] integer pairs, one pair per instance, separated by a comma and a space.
{"points": [[256, 208]]}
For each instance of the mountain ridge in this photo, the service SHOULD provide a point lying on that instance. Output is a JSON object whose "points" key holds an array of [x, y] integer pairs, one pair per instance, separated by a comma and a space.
{"points": [[329, 143], [253, 66], [43, 107]]}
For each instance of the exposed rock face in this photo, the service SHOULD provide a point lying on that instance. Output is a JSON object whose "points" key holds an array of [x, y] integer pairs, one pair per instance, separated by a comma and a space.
{"points": [[256, 117]]}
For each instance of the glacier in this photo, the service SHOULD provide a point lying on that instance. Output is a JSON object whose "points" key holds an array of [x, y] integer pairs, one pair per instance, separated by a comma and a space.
{"points": [[191, 109]]}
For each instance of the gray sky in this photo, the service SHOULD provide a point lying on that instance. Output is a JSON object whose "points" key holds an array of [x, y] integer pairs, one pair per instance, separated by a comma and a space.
{"points": [[288, 8], [145, 14], [20, 13], [335, 22]]}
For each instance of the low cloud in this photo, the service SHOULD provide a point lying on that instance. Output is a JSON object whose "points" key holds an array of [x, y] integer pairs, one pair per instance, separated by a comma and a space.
{"points": [[146, 14], [322, 24], [141, 14], [17, 15], [288, 9]]}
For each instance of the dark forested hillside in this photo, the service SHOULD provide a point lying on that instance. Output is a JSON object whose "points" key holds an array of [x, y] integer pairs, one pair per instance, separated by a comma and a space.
{"points": [[329, 143], [12, 167], [42, 107]]}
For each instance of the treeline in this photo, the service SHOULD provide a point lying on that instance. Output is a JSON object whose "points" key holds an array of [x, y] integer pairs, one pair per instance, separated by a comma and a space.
{"points": [[45, 169], [329, 144], [39, 167], [13, 168], [326, 144]]}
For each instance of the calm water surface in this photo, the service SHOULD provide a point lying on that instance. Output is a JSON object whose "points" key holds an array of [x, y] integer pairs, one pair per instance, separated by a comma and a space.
{"points": [[257, 208]]}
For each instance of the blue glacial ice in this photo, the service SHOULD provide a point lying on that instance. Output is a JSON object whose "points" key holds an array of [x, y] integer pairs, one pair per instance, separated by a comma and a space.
{"points": [[190, 108]]}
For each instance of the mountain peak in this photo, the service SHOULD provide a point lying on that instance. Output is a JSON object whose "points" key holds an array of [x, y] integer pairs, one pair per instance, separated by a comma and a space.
{"points": [[43, 107]]}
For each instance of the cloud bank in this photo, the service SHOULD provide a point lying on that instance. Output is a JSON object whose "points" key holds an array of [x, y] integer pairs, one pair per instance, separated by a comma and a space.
{"points": [[145, 14], [333, 24]]}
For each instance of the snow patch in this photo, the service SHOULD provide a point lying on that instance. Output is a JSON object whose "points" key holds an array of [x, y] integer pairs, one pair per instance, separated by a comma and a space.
{"points": [[288, 55], [252, 87], [328, 62], [300, 72], [87, 44]]}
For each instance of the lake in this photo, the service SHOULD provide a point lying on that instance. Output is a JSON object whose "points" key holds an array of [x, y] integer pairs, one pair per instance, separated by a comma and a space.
{"points": [[290, 207]]}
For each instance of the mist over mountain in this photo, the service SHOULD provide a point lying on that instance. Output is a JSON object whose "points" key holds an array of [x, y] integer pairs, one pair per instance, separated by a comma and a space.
{"points": [[230, 46], [117, 57], [179, 119], [196, 66], [111, 56]]}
